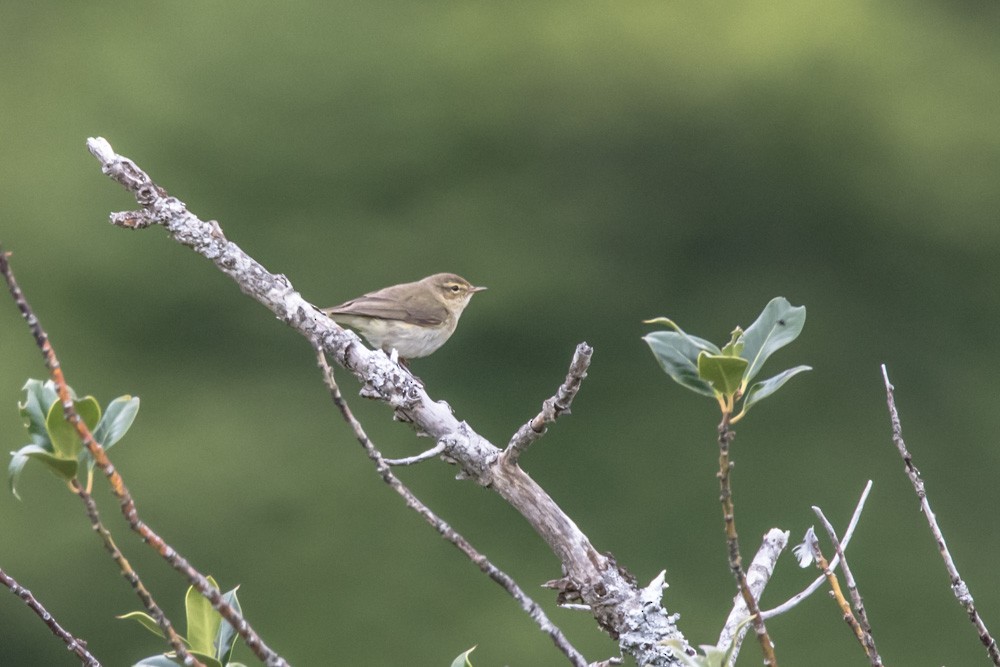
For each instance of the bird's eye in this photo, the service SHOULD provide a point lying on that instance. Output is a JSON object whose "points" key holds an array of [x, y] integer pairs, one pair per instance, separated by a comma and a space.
{"points": [[455, 287]]}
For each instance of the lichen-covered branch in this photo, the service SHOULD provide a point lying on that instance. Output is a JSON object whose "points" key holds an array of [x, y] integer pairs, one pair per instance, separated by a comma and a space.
{"points": [[590, 577]]}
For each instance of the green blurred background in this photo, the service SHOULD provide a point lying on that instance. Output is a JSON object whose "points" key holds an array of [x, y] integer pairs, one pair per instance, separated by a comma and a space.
{"points": [[593, 163]]}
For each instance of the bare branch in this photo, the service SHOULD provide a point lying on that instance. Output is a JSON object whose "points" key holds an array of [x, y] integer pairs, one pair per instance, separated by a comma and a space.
{"points": [[811, 545], [506, 582], [811, 588], [726, 435], [121, 492], [958, 586], [593, 578], [758, 575], [552, 408], [418, 458], [131, 576], [863, 628], [77, 646]]}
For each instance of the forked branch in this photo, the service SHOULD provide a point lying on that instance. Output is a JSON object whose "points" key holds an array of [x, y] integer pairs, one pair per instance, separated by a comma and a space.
{"points": [[590, 577]]}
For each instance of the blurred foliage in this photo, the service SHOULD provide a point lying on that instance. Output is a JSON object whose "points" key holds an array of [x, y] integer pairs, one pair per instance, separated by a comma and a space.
{"points": [[593, 163]]}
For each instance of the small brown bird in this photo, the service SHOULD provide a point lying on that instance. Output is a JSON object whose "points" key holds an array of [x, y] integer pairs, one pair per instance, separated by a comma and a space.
{"points": [[415, 319]]}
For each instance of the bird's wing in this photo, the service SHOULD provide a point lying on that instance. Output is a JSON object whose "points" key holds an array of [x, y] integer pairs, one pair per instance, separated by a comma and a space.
{"points": [[373, 305]]}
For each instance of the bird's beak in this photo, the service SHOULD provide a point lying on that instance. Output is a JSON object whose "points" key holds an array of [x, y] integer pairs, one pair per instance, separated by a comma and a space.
{"points": [[476, 289]]}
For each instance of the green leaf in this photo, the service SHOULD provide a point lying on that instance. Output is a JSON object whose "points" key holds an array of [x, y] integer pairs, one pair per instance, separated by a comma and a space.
{"points": [[65, 440], [114, 424], [64, 468], [38, 397], [734, 348], [17, 462], [778, 325], [677, 354], [117, 420], [725, 374], [145, 620], [171, 660], [225, 643], [156, 661], [202, 620], [207, 660], [761, 390], [700, 343], [463, 659]]}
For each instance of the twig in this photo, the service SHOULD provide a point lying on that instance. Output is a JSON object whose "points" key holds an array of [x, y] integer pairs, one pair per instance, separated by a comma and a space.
{"points": [[863, 628], [812, 545], [121, 492], [384, 470], [131, 576], [811, 588], [958, 586], [758, 575], [554, 407], [726, 436], [591, 577], [77, 646], [418, 458], [69, 411]]}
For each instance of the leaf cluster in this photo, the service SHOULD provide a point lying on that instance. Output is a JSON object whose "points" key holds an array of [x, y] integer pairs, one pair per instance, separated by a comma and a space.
{"points": [[55, 442], [726, 373], [210, 638]]}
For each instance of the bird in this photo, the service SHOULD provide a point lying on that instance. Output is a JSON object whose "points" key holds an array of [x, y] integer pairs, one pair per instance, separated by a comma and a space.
{"points": [[414, 319]]}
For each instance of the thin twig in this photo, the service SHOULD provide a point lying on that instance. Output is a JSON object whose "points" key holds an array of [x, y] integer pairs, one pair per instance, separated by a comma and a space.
{"points": [[726, 436], [121, 492], [554, 407], [131, 576], [417, 458], [758, 575], [838, 595], [441, 526], [958, 586], [77, 646], [811, 588], [69, 411], [864, 628]]}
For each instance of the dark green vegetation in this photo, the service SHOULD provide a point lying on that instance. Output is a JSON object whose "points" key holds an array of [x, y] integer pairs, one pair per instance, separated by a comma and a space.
{"points": [[595, 164]]}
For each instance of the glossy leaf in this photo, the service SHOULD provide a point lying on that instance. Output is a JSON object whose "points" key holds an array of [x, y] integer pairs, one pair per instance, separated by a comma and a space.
{"points": [[761, 390], [64, 468], [65, 440], [734, 348], [226, 640], [18, 460], [463, 659], [700, 343], [115, 423], [677, 355], [202, 620], [117, 420], [778, 325], [156, 661], [207, 660], [725, 374], [145, 620], [38, 397], [169, 660]]}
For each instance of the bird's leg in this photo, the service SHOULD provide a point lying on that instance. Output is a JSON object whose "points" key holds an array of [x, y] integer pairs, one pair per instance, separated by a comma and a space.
{"points": [[402, 363]]}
